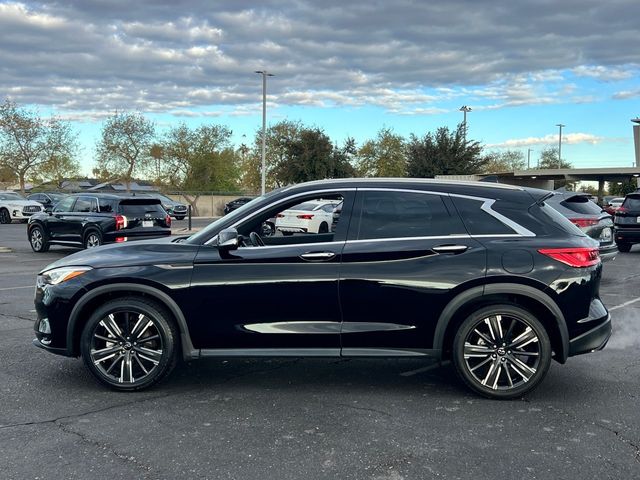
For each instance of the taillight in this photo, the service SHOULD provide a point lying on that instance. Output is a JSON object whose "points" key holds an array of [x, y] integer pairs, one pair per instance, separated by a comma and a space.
{"points": [[574, 257], [121, 222], [621, 209], [167, 220], [306, 216], [584, 222], [121, 239]]}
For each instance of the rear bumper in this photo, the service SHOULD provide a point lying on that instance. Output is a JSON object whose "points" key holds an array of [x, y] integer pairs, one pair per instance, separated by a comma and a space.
{"points": [[627, 235], [609, 252], [591, 340]]}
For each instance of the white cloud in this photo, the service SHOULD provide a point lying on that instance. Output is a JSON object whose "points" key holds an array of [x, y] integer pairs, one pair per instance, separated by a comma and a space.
{"points": [[552, 139]]}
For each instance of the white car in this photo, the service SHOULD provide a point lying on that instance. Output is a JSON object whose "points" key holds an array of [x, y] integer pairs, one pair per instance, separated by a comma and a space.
{"points": [[14, 206], [315, 216]]}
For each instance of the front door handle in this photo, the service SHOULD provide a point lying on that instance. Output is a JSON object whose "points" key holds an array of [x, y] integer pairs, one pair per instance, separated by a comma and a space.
{"points": [[317, 256], [450, 249]]}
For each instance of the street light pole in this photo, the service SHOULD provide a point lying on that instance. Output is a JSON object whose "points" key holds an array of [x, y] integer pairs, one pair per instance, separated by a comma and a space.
{"points": [[529, 150], [465, 109], [264, 74], [560, 125]]}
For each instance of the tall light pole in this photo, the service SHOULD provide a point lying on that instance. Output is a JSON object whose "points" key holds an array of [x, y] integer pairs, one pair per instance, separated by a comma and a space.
{"points": [[560, 125], [264, 74], [529, 150], [465, 109]]}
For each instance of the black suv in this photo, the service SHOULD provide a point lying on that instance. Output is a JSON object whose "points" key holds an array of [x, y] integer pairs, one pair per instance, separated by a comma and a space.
{"points": [[627, 221], [89, 220], [487, 275]]}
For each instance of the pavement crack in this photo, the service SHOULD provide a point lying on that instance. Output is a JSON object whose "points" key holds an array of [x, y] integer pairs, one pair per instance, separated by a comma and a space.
{"points": [[365, 409], [18, 317]]}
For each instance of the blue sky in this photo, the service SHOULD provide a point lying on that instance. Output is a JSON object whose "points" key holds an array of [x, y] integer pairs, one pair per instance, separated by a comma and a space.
{"points": [[350, 68]]}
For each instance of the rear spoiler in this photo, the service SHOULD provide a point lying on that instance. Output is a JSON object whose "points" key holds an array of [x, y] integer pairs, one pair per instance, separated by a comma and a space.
{"points": [[545, 195]]}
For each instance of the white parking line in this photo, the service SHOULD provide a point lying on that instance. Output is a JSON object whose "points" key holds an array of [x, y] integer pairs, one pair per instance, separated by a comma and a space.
{"points": [[16, 288], [622, 305]]}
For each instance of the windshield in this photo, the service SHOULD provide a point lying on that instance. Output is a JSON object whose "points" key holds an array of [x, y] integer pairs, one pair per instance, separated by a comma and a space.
{"points": [[10, 196], [56, 197]]}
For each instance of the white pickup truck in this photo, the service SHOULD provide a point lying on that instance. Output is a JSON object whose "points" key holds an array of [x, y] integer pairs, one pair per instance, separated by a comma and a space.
{"points": [[14, 206]]}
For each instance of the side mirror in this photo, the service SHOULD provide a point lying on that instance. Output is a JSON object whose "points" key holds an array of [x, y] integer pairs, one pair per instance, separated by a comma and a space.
{"points": [[228, 239]]}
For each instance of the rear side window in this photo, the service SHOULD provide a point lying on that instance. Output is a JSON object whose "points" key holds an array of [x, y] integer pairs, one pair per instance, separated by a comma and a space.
{"points": [[632, 203], [405, 214], [107, 205], [478, 221], [140, 210], [581, 204]]}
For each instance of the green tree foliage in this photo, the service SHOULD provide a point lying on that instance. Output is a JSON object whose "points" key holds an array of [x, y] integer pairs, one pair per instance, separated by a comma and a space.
{"points": [[29, 143], [443, 153], [198, 160], [124, 147], [549, 159], [620, 189], [57, 169], [504, 161], [311, 156], [385, 156]]}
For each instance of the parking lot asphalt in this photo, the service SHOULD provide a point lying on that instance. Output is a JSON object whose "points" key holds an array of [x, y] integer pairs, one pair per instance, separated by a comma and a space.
{"points": [[313, 418]]}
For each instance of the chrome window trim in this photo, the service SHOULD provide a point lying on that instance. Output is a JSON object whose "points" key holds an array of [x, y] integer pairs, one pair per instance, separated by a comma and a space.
{"points": [[519, 230]]}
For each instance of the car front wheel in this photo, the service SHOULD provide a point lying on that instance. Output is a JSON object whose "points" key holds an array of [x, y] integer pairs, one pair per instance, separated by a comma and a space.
{"points": [[5, 216], [129, 344], [502, 351], [38, 240]]}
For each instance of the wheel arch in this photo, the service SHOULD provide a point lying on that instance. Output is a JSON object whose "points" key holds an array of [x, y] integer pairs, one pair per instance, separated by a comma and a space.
{"points": [[525, 296], [81, 310]]}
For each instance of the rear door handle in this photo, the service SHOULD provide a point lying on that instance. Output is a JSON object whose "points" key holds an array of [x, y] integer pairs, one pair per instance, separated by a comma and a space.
{"points": [[317, 256], [450, 249]]}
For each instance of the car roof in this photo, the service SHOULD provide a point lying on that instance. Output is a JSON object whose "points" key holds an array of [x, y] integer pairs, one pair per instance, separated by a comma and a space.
{"points": [[111, 196]]}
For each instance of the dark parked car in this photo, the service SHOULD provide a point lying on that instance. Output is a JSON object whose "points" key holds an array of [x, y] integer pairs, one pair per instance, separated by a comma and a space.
{"points": [[47, 199], [90, 220], [627, 222], [487, 275], [589, 217], [175, 209], [237, 203]]}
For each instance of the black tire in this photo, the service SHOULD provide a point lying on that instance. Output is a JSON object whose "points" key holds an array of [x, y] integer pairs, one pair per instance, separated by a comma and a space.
{"points": [[180, 218], [124, 364], [92, 239], [519, 351], [624, 247], [323, 228], [38, 239], [5, 216]]}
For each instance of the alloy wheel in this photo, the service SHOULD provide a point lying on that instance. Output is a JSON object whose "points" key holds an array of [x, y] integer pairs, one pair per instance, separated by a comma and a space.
{"points": [[126, 347], [36, 239], [4, 216], [93, 240], [502, 352]]}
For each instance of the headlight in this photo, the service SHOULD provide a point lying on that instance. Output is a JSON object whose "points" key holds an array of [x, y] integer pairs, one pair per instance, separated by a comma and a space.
{"points": [[62, 274]]}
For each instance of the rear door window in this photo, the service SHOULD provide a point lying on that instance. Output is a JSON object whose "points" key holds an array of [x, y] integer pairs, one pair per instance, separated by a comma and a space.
{"points": [[85, 204], [478, 221], [390, 214]]}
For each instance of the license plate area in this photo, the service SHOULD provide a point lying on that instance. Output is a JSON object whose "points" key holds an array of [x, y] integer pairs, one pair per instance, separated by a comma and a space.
{"points": [[147, 223]]}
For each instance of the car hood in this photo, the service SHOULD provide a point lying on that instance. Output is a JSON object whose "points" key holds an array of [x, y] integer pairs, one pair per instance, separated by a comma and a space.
{"points": [[162, 251], [21, 203]]}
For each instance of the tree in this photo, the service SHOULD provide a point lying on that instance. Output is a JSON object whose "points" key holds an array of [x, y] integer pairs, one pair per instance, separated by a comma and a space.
{"points": [[28, 142], [311, 156], [124, 148], [383, 157], [200, 159], [444, 153], [622, 188], [59, 167], [549, 159], [505, 161]]}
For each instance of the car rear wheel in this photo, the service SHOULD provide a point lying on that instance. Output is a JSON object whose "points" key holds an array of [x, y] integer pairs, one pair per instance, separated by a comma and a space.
{"points": [[5, 217], [324, 228], [38, 239], [129, 344], [624, 247], [502, 351], [92, 239]]}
